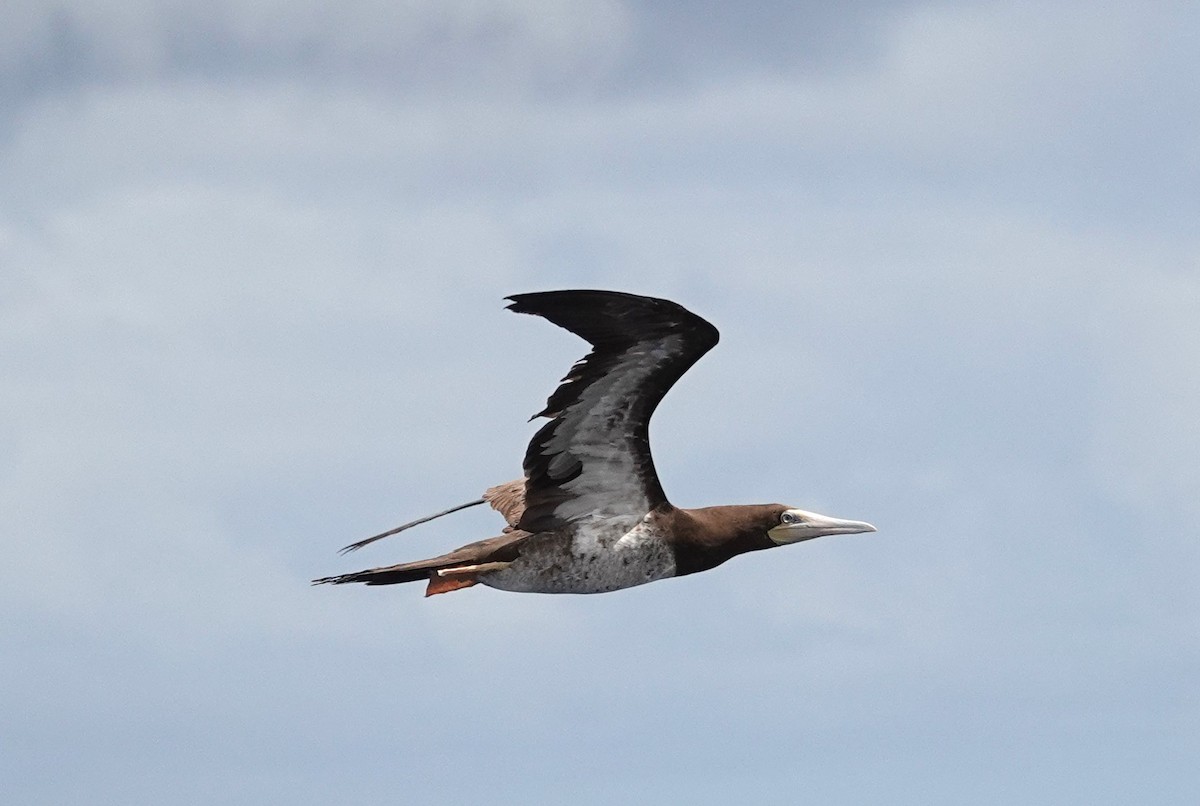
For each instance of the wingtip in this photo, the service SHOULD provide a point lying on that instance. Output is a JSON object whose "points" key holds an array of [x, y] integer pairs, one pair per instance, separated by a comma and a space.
{"points": [[586, 311], [519, 303], [534, 301]]}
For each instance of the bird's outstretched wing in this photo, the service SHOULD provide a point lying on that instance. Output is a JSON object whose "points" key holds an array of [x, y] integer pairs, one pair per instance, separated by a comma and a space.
{"points": [[592, 460], [509, 500]]}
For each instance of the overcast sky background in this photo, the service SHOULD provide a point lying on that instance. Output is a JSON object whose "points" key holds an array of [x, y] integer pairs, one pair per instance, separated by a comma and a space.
{"points": [[252, 262]]}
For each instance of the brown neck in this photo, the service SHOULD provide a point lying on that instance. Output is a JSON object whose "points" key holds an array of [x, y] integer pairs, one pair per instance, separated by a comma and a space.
{"points": [[705, 538]]}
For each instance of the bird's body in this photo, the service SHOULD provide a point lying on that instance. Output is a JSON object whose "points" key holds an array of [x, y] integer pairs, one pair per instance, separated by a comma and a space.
{"points": [[595, 558], [590, 515]]}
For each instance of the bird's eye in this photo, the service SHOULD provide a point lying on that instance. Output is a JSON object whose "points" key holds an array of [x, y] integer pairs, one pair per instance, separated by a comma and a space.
{"points": [[788, 518]]}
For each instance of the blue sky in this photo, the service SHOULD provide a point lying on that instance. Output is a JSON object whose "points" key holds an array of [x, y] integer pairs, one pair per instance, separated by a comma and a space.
{"points": [[252, 262]]}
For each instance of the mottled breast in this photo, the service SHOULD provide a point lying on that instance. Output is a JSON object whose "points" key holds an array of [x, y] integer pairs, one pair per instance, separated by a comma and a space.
{"points": [[595, 558]]}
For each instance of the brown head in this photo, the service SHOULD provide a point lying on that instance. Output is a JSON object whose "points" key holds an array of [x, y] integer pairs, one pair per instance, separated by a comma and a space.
{"points": [[705, 538]]}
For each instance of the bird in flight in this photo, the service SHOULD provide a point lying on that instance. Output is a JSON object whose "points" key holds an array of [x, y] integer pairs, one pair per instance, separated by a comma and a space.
{"points": [[590, 515]]}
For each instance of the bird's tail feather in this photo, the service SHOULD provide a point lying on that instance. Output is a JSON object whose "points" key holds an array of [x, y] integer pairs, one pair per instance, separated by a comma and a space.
{"points": [[389, 575], [409, 572], [461, 565]]}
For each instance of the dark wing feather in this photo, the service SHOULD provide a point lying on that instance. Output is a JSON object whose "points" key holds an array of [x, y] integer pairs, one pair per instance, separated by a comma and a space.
{"points": [[592, 460]]}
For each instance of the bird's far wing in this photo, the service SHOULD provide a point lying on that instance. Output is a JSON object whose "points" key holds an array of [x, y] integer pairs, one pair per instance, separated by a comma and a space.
{"points": [[592, 460], [508, 499]]}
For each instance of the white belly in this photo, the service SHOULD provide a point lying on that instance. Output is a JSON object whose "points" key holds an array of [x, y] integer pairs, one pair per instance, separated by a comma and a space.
{"points": [[591, 561]]}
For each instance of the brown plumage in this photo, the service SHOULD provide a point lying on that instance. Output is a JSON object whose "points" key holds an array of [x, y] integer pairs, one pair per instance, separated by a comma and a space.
{"points": [[590, 514], [509, 500]]}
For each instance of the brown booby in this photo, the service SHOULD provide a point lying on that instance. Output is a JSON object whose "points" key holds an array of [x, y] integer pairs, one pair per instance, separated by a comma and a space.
{"points": [[590, 515]]}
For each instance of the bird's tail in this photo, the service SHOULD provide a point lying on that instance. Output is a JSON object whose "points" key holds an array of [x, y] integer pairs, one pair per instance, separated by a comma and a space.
{"points": [[388, 575], [458, 569], [441, 578]]}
